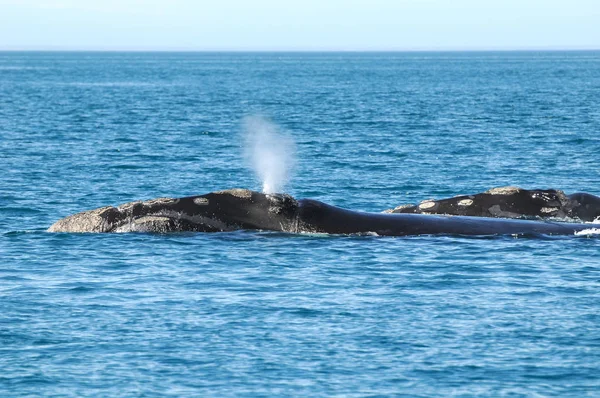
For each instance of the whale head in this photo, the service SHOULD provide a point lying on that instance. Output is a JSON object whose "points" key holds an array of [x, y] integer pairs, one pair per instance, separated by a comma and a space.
{"points": [[228, 210]]}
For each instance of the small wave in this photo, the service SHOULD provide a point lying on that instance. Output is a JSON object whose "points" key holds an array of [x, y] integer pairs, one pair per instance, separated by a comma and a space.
{"points": [[127, 167], [368, 233], [110, 84], [20, 210], [23, 232], [315, 234], [23, 68], [82, 289]]}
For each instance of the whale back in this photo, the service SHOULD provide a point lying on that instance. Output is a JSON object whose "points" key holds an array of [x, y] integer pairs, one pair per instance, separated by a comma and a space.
{"points": [[217, 211]]}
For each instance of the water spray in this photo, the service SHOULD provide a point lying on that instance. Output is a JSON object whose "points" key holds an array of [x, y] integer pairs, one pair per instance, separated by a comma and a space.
{"points": [[270, 151]]}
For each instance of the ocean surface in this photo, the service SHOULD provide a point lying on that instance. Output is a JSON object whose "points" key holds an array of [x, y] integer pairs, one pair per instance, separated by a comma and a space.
{"points": [[273, 314]]}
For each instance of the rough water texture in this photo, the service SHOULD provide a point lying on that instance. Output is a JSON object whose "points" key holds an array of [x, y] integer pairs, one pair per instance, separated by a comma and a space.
{"points": [[276, 314]]}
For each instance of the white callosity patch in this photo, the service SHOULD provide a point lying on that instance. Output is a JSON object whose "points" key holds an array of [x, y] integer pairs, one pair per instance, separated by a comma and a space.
{"points": [[237, 192], [465, 202], [270, 151], [549, 210], [426, 205], [160, 222], [503, 191], [145, 224], [87, 221]]}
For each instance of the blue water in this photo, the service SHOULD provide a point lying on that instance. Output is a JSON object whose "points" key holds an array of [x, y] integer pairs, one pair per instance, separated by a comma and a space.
{"points": [[272, 314]]}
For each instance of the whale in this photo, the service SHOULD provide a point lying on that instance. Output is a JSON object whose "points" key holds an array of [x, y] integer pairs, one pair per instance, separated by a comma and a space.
{"points": [[243, 209], [513, 202]]}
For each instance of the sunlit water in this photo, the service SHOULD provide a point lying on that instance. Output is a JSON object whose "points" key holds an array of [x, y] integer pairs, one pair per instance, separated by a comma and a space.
{"points": [[272, 314]]}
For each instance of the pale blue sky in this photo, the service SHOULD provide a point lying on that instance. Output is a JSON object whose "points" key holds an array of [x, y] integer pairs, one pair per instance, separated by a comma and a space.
{"points": [[299, 25]]}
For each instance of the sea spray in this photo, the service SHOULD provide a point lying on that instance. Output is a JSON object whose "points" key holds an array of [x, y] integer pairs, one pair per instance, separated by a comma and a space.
{"points": [[270, 151]]}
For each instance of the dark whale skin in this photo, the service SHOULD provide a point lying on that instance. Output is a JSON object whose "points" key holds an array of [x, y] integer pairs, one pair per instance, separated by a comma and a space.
{"points": [[588, 206], [229, 210], [240, 209], [320, 217], [513, 202]]}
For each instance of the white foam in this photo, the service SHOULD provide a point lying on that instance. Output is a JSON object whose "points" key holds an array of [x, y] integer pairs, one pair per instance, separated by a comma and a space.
{"points": [[589, 231]]}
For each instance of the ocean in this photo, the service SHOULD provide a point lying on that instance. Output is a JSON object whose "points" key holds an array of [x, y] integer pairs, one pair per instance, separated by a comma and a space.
{"points": [[251, 313]]}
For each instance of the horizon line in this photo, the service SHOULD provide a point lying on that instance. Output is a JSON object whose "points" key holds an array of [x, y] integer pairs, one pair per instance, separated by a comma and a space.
{"points": [[292, 50]]}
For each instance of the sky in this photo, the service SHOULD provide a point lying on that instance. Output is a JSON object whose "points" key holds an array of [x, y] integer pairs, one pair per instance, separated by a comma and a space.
{"points": [[304, 25]]}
